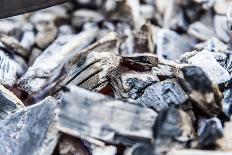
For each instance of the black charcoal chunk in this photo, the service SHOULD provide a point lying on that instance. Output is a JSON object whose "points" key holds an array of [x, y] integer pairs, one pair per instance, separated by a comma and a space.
{"points": [[162, 95]]}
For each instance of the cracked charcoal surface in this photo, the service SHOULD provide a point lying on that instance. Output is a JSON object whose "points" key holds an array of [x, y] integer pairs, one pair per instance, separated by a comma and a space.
{"points": [[117, 77]]}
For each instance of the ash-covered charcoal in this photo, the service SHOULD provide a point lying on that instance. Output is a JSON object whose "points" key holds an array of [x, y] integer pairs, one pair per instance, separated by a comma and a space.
{"points": [[14, 46], [171, 45], [82, 16], [204, 94], [227, 102], [90, 68], [104, 150], [209, 131], [212, 45], [69, 145], [130, 84], [162, 95], [145, 39], [10, 69], [172, 130], [205, 59], [141, 149], [140, 61], [92, 71], [200, 31], [127, 11], [104, 118], [48, 66], [24, 132], [9, 103], [198, 152], [221, 28]]}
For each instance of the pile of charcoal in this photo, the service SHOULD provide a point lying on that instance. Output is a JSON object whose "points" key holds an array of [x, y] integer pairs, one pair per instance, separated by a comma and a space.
{"points": [[118, 77]]}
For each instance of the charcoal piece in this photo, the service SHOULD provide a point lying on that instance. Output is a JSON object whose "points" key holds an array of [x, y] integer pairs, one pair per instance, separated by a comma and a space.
{"points": [[125, 11], [221, 28], [145, 39], [224, 143], [115, 122], [24, 132], [14, 46], [28, 39], [34, 54], [131, 84], [209, 131], [229, 17], [9, 69], [198, 152], [9, 103], [206, 96], [47, 67], [92, 71], [205, 59], [140, 61], [172, 130], [69, 145], [200, 31], [82, 16], [165, 69], [162, 95], [51, 140], [227, 102], [141, 149], [212, 45], [171, 45], [92, 65], [104, 150], [47, 33]]}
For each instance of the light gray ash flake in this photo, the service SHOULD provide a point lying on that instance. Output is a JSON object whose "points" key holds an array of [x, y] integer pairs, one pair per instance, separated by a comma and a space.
{"points": [[25, 131], [163, 94]]}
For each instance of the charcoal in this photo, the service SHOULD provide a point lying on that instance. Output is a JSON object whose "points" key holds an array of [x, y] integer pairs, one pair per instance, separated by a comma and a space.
{"points": [[9, 103], [206, 96], [200, 31], [172, 129], [209, 131], [117, 77], [205, 59], [221, 28], [198, 152], [226, 102], [171, 45], [83, 16], [24, 132], [162, 95], [13, 45], [145, 39], [130, 84], [40, 75], [141, 149], [90, 68], [70, 145], [10, 69], [105, 124]]}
